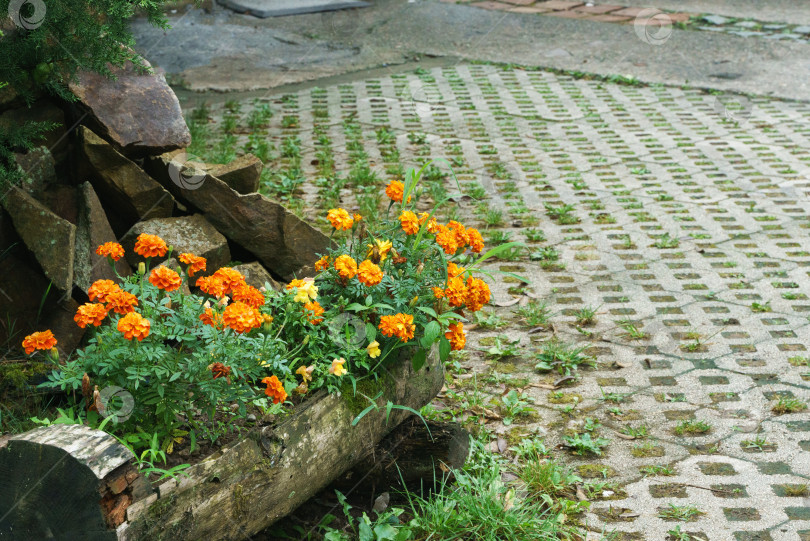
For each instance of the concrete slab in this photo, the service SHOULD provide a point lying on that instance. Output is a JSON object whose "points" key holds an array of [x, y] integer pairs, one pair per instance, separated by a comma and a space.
{"points": [[279, 8]]}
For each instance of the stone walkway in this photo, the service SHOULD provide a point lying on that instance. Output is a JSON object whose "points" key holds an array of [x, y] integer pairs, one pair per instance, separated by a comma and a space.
{"points": [[680, 217]]}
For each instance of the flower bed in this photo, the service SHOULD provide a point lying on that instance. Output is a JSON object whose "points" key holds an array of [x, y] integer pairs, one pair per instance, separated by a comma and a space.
{"points": [[167, 369]]}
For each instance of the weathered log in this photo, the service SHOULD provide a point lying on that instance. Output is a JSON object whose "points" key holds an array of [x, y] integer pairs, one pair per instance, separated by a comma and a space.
{"points": [[412, 456], [234, 493]]}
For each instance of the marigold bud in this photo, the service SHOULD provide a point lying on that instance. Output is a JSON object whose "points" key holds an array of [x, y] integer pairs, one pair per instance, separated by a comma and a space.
{"points": [[141, 268], [55, 354]]}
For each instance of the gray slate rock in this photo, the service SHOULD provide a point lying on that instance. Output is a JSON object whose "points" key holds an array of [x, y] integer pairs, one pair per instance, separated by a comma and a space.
{"points": [[92, 230], [192, 234], [39, 170], [242, 174], [121, 184], [256, 275], [282, 242], [138, 112], [49, 237]]}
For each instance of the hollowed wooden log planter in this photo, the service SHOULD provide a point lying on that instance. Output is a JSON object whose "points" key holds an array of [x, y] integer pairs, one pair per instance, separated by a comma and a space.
{"points": [[73, 482]]}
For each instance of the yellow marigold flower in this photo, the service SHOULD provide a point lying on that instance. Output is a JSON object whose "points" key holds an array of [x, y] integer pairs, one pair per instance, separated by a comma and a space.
{"points": [[316, 311], [322, 263], [399, 325], [478, 294], [101, 289], [446, 238], [305, 372], [438, 292], [340, 219], [382, 246], [456, 291], [195, 263], [454, 270], [121, 302], [369, 274], [409, 221], [275, 389], [165, 278], [42, 340], [357, 217], [248, 294], [230, 278], [305, 290], [373, 349], [455, 334], [241, 318], [337, 367], [113, 250], [134, 325], [150, 246], [90, 314], [346, 266], [474, 240]]}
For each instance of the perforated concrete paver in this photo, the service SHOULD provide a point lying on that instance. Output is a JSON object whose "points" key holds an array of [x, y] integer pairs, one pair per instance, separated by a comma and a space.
{"points": [[689, 224]]}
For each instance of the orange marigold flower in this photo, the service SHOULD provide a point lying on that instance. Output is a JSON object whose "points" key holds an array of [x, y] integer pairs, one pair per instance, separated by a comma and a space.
{"points": [[340, 219], [219, 370], [121, 302], [248, 294], [346, 266], [455, 334], [322, 263], [399, 325], [478, 294], [213, 285], [212, 318], [357, 217], [396, 191], [113, 250], [275, 389], [241, 318], [230, 278], [101, 289], [165, 278], [134, 325], [456, 291], [90, 314], [43, 340], [475, 240], [438, 292], [369, 274], [432, 224], [454, 270], [446, 238], [150, 246], [460, 233], [409, 221], [195, 263], [314, 311]]}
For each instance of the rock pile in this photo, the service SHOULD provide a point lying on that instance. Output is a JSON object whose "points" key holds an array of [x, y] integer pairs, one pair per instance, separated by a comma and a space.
{"points": [[121, 170]]}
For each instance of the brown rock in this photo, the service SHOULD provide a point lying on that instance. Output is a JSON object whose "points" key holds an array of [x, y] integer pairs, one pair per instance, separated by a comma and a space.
{"points": [[256, 275], [60, 321], [122, 185], [138, 112], [284, 243], [39, 169], [242, 174], [193, 234], [40, 111], [92, 230], [49, 237]]}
